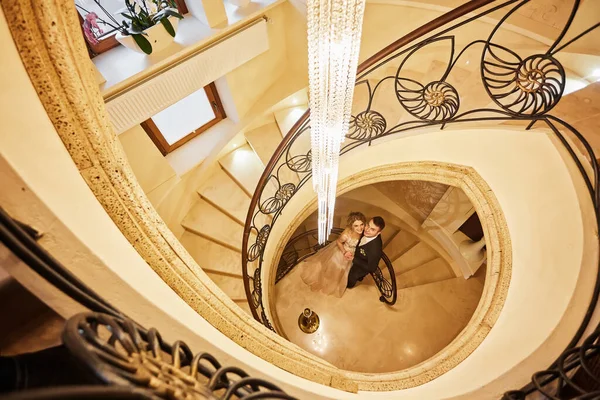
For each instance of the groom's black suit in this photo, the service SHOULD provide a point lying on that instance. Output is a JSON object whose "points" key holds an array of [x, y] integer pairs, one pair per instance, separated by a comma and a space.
{"points": [[366, 260]]}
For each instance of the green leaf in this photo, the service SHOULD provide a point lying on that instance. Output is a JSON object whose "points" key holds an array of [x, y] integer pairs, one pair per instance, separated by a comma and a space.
{"points": [[135, 31], [143, 43], [127, 16], [167, 12], [159, 15], [173, 13], [168, 27]]}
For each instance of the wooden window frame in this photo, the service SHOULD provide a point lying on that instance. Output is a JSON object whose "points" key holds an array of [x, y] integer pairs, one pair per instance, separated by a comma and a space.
{"points": [[111, 41], [159, 140]]}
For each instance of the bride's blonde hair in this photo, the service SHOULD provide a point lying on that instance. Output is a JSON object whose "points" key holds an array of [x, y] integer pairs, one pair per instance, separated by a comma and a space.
{"points": [[355, 216]]}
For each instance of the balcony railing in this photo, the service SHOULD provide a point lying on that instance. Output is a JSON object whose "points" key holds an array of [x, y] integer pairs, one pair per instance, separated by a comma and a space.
{"points": [[517, 87], [106, 355]]}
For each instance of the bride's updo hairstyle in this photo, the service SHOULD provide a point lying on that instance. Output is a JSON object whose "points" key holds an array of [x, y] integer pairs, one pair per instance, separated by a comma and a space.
{"points": [[355, 216]]}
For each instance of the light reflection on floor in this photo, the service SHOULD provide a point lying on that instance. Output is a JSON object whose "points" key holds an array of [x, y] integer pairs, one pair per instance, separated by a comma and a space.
{"points": [[359, 333]]}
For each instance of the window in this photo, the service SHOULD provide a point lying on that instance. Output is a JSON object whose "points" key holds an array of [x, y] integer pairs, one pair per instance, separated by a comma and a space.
{"points": [[107, 10], [184, 120]]}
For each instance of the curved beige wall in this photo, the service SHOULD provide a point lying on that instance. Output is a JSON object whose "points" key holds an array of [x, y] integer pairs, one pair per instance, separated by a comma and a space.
{"points": [[550, 222]]}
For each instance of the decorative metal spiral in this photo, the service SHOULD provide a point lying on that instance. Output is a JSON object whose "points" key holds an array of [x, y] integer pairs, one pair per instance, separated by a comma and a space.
{"points": [[258, 246], [528, 87], [256, 288], [276, 202], [301, 163], [366, 125], [123, 354], [437, 101], [384, 285]]}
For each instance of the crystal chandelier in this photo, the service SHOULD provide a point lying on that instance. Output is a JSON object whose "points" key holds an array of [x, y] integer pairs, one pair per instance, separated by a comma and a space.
{"points": [[334, 29]]}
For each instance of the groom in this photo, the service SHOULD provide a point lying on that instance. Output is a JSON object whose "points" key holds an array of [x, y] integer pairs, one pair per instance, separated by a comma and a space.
{"points": [[368, 251]]}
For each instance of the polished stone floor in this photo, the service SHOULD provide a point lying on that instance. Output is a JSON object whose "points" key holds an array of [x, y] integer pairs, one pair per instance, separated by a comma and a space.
{"points": [[359, 333]]}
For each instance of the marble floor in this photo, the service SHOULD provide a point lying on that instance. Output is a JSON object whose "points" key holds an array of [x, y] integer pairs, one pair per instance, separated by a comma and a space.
{"points": [[359, 333]]}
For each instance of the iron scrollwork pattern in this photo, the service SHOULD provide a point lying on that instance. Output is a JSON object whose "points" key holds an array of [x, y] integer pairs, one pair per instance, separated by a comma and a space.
{"points": [[500, 85], [532, 86], [121, 353], [366, 124], [304, 245], [435, 101]]}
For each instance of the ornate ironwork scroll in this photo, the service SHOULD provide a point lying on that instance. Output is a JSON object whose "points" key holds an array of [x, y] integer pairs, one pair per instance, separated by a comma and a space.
{"points": [[120, 353], [111, 357]]}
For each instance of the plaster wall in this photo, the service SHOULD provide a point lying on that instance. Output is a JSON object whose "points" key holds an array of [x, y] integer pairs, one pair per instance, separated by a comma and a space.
{"points": [[248, 82], [150, 167]]}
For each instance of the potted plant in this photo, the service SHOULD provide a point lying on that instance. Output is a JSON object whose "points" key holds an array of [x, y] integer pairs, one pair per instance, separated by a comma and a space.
{"points": [[148, 25]]}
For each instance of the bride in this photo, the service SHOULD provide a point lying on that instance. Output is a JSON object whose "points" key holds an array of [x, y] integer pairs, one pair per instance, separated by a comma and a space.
{"points": [[327, 271]]}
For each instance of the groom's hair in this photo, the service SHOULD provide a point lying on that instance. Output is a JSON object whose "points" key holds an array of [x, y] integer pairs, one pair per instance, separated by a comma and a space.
{"points": [[379, 222]]}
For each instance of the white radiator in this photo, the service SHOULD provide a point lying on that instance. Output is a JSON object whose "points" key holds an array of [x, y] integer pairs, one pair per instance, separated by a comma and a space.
{"points": [[141, 102]]}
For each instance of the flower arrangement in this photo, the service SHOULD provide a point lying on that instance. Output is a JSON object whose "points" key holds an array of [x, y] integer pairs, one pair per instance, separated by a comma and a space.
{"points": [[138, 16]]}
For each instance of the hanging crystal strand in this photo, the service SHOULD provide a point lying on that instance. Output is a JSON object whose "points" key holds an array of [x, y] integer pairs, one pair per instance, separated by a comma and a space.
{"points": [[334, 28]]}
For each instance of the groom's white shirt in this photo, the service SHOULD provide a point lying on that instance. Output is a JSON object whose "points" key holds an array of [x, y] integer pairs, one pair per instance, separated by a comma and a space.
{"points": [[366, 240]]}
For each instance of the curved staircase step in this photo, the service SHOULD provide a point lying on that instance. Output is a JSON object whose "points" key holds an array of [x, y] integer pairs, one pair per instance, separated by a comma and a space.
{"points": [[416, 256], [211, 256], [264, 140], [233, 286], [244, 167], [433, 271], [457, 296], [224, 193], [286, 119], [209, 222], [400, 244]]}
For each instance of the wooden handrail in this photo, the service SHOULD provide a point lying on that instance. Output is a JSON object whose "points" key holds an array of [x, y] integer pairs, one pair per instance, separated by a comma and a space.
{"points": [[380, 55]]}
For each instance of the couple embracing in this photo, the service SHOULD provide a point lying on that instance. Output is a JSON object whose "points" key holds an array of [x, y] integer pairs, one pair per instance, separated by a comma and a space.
{"points": [[341, 264]]}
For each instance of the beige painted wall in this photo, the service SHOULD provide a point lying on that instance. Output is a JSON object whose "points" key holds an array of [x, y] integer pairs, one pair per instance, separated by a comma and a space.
{"points": [[151, 169], [248, 82]]}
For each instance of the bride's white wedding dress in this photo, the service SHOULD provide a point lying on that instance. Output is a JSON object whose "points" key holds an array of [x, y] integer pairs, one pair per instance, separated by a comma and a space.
{"points": [[327, 271]]}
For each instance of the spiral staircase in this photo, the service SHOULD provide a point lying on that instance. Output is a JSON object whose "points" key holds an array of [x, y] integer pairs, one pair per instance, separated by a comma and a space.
{"points": [[214, 225], [540, 283]]}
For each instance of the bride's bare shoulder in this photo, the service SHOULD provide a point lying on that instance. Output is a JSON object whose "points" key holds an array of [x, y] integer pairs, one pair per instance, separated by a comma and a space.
{"points": [[346, 234]]}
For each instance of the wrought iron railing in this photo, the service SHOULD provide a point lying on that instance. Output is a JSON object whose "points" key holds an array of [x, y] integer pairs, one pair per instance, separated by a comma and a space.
{"points": [[516, 86], [106, 355], [304, 245]]}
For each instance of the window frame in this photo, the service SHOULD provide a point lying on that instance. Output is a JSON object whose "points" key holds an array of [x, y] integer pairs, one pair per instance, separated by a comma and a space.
{"points": [[159, 140], [111, 41]]}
